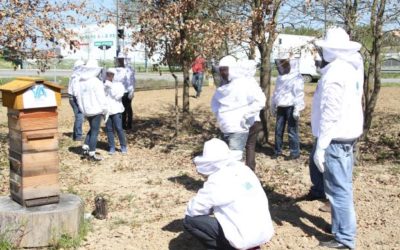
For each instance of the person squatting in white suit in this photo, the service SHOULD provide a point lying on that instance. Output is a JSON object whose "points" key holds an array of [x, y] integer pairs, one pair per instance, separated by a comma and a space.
{"points": [[234, 195], [286, 104], [337, 121]]}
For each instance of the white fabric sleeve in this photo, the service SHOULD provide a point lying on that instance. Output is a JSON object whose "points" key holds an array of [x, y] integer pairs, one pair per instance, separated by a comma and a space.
{"points": [[101, 96], [116, 91], [256, 99], [215, 104], [298, 93], [331, 109], [210, 196]]}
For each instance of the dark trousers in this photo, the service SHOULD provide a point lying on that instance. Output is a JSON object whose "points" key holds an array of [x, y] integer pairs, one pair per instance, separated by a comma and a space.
{"points": [[208, 231], [317, 178], [91, 137], [285, 115], [77, 132], [251, 145], [114, 122], [127, 114]]}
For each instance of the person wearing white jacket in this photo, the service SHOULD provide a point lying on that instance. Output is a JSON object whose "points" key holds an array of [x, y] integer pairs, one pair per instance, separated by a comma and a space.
{"points": [[92, 103], [235, 104], [72, 94], [337, 121], [234, 195], [286, 104], [249, 68], [114, 92], [126, 75]]}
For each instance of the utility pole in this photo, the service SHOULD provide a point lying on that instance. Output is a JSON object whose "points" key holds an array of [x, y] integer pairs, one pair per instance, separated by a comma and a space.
{"points": [[117, 25]]}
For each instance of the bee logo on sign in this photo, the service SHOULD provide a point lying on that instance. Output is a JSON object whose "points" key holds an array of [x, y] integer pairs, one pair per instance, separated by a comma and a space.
{"points": [[39, 96]]}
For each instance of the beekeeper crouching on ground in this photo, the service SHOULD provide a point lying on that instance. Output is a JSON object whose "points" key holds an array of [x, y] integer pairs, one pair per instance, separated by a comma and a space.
{"points": [[234, 195]]}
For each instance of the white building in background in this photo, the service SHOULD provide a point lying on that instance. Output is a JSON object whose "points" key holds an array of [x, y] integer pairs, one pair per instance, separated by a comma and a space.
{"points": [[90, 37]]}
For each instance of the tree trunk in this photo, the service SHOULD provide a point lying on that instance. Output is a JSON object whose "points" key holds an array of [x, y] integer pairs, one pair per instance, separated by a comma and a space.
{"points": [[373, 85], [186, 86]]}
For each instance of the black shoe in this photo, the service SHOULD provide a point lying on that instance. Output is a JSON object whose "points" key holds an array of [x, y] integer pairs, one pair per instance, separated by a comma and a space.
{"points": [[94, 158], [276, 156], [292, 157], [310, 197], [333, 244]]}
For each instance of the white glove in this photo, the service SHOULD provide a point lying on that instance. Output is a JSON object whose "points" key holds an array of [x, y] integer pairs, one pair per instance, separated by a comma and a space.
{"points": [[273, 111], [245, 123], [296, 115], [319, 159], [130, 95]]}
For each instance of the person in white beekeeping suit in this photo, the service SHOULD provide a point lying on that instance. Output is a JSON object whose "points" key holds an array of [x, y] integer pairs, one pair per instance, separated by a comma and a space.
{"points": [[337, 121], [231, 210], [286, 104], [73, 89], [114, 93], [234, 104], [249, 68], [126, 75], [92, 102]]}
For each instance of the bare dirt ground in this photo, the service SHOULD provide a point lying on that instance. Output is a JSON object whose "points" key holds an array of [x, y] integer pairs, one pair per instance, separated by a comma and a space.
{"points": [[148, 189]]}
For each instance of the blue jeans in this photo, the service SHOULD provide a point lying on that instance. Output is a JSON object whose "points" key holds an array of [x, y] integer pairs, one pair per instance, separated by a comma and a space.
{"points": [[77, 132], [91, 137], [197, 81], [338, 183], [317, 178], [236, 141], [115, 122], [285, 115]]}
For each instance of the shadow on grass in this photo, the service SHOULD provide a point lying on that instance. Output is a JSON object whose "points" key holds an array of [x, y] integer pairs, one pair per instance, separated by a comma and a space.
{"points": [[286, 209], [188, 182], [184, 241], [160, 132]]}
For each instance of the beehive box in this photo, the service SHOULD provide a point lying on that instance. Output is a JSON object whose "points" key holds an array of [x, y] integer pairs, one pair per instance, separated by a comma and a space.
{"points": [[33, 140]]}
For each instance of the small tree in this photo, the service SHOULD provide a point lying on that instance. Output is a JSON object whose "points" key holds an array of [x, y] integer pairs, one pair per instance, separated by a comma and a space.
{"points": [[29, 26], [179, 30]]}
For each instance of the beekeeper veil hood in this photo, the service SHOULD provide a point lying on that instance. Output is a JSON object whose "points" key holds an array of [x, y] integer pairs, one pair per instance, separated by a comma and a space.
{"points": [[232, 65], [216, 155], [248, 67], [91, 69], [337, 45], [78, 63]]}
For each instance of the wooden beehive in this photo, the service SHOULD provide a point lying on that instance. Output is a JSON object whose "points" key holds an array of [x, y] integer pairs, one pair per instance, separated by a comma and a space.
{"points": [[33, 140]]}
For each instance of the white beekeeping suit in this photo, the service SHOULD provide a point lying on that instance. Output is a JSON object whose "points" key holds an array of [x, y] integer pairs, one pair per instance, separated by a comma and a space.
{"points": [[114, 91], [234, 195], [289, 90], [74, 79], [337, 106], [91, 97], [234, 103]]}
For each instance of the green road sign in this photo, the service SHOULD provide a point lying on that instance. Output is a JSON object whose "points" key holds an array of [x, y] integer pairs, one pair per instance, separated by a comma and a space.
{"points": [[103, 43]]}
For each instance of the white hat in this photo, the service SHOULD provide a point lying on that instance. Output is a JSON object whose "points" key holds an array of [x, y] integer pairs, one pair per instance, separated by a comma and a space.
{"points": [[215, 151], [337, 38], [227, 61], [92, 63], [112, 70], [78, 63]]}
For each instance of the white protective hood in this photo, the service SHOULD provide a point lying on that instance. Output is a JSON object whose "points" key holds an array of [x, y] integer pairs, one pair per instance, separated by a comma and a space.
{"points": [[216, 155]]}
